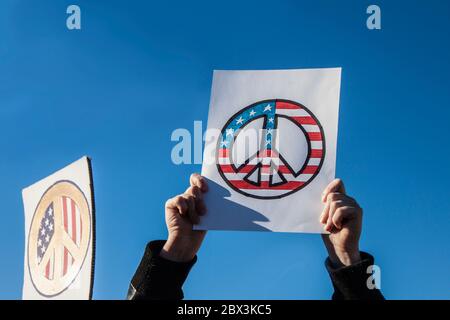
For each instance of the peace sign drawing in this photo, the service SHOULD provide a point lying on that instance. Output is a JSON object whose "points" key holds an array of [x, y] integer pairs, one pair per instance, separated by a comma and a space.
{"points": [[283, 157], [58, 238]]}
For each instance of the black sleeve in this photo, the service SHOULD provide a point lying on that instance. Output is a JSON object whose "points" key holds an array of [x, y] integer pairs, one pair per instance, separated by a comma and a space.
{"points": [[157, 278], [350, 283]]}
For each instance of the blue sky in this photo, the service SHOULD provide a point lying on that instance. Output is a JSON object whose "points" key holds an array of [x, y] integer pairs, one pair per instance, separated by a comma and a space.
{"points": [[137, 70]]}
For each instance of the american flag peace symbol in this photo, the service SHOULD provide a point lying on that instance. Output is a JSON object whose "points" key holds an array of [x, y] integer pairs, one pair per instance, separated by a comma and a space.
{"points": [[266, 173], [58, 239]]}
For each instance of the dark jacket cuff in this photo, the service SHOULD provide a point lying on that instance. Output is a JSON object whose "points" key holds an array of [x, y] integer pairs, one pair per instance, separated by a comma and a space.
{"points": [[350, 283], [158, 278]]}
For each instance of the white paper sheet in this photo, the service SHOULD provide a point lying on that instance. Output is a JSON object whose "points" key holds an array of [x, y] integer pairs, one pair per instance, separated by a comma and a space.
{"points": [[270, 149], [59, 235]]}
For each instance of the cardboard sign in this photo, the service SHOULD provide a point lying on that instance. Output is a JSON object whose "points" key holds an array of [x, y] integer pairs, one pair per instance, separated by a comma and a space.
{"points": [[60, 235], [270, 149]]}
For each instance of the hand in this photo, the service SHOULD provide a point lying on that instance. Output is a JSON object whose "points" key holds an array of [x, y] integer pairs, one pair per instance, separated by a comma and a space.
{"points": [[182, 212], [342, 217]]}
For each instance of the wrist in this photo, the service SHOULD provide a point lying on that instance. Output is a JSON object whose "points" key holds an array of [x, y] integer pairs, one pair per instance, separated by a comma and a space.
{"points": [[177, 250], [344, 258]]}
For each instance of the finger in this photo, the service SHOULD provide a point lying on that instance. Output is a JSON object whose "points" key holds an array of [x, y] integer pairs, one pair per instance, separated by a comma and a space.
{"points": [[194, 191], [192, 213], [178, 203], [334, 205], [342, 215], [324, 216], [336, 201], [335, 196], [198, 195], [199, 181], [335, 186]]}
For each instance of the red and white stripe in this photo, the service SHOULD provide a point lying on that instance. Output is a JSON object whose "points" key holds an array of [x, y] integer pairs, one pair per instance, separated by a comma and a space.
{"points": [[266, 157], [312, 128], [71, 220], [301, 117], [50, 266]]}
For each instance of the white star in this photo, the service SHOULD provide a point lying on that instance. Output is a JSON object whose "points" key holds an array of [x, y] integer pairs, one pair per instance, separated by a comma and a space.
{"points": [[267, 142], [230, 132], [50, 227], [269, 131], [43, 249], [50, 211], [47, 238], [39, 242], [224, 143], [43, 232], [268, 108], [39, 259], [47, 222], [252, 113], [240, 120], [271, 120]]}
